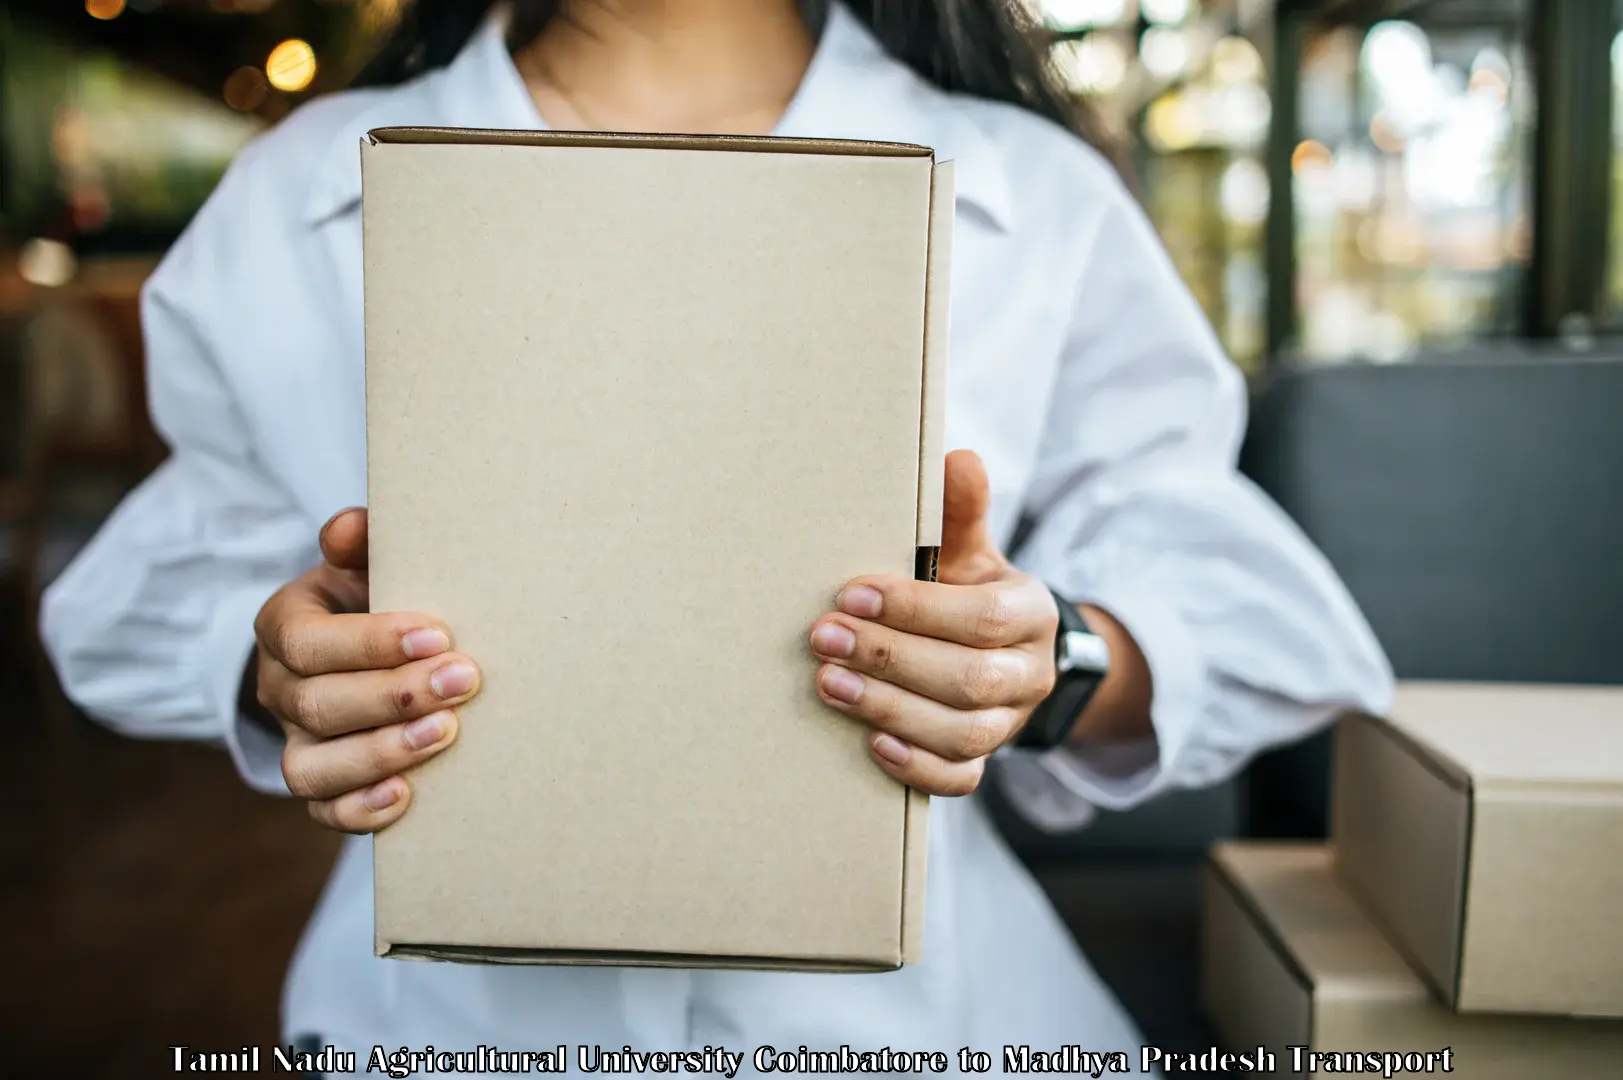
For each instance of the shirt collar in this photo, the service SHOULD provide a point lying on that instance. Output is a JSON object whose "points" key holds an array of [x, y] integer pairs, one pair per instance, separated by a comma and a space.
{"points": [[853, 89]]}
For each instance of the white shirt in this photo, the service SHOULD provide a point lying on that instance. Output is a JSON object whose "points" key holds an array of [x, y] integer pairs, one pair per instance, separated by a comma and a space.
{"points": [[1081, 371]]}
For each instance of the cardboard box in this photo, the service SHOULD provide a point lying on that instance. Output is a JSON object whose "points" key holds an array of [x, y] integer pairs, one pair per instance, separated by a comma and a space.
{"points": [[637, 408], [1482, 826], [1293, 967]]}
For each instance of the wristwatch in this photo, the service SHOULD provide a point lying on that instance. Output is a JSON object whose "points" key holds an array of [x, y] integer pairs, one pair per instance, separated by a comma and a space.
{"points": [[1081, 660]]}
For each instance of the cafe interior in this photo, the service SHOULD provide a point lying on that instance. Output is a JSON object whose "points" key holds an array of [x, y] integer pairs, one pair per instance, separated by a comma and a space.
{"points": [[1402, 217]]}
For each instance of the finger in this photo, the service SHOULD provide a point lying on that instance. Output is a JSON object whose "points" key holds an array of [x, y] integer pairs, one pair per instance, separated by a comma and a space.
{"points": [[308, 639], [324, 769], [943, 671], [341, 590], [343, 539], [1010, 611], [952, 734], [968, 554], [365, 811], [919, 768], [331, 705]]}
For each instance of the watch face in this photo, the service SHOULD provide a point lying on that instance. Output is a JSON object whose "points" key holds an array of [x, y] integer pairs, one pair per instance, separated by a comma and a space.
{"points": [[1083, 652]]}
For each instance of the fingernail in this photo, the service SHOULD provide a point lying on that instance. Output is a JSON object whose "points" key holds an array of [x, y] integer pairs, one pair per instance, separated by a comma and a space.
{"points": [[453, 680], [891, 749], [842, 685], [425, 731], [861, 601], [832, 639], [381, 796], [421, 643]]}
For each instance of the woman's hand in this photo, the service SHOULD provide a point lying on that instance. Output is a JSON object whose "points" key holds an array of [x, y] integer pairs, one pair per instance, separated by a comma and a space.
{"points": [[361, 697], [948, 672]]}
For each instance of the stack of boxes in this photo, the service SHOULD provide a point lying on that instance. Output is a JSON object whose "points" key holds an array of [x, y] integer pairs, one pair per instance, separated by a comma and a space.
{"points": [[1466, 916]]}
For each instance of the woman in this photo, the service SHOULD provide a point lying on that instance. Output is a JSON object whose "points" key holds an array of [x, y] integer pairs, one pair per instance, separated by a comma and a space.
{"points": [[1104, 417]]}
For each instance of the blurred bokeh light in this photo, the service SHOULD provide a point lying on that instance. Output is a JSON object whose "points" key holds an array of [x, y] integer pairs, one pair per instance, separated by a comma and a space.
{"points": [[291, 66]]}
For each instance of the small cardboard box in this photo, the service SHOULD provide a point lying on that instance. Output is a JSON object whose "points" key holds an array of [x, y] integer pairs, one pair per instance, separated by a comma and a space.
{"points": [[1292, 967], [637, 407], [1482, 826]]}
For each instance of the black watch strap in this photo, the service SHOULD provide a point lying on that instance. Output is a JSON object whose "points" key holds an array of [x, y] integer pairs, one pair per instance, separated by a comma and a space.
{"points": [[1051, 722]]}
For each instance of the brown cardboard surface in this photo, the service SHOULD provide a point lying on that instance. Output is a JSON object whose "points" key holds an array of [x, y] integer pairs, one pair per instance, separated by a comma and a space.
{"points": [[1482, 826], [636, 408], [1291, 960]]}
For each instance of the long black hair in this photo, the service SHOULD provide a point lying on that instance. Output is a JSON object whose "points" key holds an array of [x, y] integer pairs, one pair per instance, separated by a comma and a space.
{"points": [[987, 48]]}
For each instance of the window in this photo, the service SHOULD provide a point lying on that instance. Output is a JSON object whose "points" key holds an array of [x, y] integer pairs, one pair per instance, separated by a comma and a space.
{"points": [[1614, 253], [1411, 184], [102, 151], [1207, 189]]}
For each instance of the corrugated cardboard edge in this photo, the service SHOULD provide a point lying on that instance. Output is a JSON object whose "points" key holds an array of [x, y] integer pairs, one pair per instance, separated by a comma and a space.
{"points": [[485, 954], [381, 946], [932, 467], [937, 325], [754, 144]]}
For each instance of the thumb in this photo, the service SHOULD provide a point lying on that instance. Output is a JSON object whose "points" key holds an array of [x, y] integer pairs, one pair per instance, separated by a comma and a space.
{"points": [[343, 540], [968, 555]]}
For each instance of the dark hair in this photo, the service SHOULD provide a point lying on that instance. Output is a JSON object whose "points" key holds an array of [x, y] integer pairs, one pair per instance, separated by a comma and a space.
{"points": [[986, 48]]}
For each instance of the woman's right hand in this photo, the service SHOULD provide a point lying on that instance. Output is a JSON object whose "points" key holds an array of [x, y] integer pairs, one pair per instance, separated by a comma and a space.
{"points": [[361, 697]]}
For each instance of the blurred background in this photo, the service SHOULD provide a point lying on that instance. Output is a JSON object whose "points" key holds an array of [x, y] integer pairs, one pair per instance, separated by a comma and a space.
{"points": [[1399, 215]]}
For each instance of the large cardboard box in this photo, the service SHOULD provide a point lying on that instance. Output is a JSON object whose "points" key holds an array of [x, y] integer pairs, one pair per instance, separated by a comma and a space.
{"points": [[637, 407], [1292, 967], [1482, 826]]}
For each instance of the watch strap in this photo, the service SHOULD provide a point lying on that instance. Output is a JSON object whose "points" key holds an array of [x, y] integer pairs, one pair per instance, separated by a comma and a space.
{"points": [[1051, 722]]}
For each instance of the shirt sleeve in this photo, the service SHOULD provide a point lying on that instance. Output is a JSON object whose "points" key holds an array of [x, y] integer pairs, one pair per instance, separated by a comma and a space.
{"points": [[151, 626], [1138, 508]]}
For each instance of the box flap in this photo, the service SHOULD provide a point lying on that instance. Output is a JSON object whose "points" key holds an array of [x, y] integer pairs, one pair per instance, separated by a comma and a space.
{"points": [[1292, 896], [1517, 733], [1252, 989], [755, 144], [1401, 824], [932, 480]]}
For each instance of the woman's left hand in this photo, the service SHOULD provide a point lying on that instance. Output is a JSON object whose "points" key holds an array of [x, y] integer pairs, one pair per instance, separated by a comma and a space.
{"points": [[944, 672]]}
